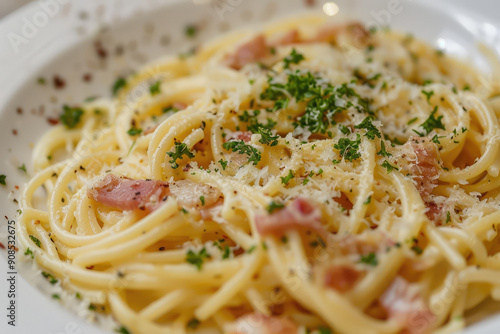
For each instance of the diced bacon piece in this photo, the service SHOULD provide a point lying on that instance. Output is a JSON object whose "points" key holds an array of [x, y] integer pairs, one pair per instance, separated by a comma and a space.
{"points": [[52, 120], [403, 302], [425, 168], [354, 32], [249, 52], [190, 194], [256, 323], [433, 211], [290, 37], [344, 202], [128, 194], [341, 277], [246, 136], [300, 214]]}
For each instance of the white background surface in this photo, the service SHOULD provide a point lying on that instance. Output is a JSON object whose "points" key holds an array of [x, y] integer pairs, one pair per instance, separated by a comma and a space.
{"points": [[8, 6]]}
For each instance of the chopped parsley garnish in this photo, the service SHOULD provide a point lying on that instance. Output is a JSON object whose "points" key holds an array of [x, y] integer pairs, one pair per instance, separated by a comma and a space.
{"points": [[285, 180], [253, 123], [49, 277], [448, 217], [217, 244], [322, 99], [370, 259], [267, 137], [375, 77], [319, 114], [428, 95], [394, 141], [431, 123], [202, 200], [41, 81], [273, 206], [251, 249], [155, 88], [191, 31], [349, 148], [417, 250], [371, 130], [133, 131], [197, 259], [318, 242], [70, 116], [383, 152], [344, 129], [22, 168], [371, 80], [226, 253], [280, 104], [368, 200], [168, 109], [413, 120], [122, 330], [300, 86], [363, 104], [2, 179], [55, 296], [324, 330], [118, 85], [179, 150], [389, 167], [435, 139], [223, 164], [193, 323], [305, 181], [240, 147], [293, 58], [29, 252], [36, 241]]}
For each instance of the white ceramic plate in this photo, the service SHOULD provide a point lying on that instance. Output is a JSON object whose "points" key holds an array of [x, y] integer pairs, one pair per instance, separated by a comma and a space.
{"points": [[58, 38]]}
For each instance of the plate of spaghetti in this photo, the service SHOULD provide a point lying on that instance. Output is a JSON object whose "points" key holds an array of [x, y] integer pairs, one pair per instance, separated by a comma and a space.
{"points": [[320, 168]]}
